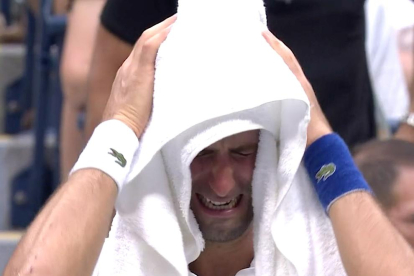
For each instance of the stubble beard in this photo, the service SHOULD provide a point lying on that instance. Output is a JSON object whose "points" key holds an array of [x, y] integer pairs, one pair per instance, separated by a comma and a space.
{"points": [[220, 231]]}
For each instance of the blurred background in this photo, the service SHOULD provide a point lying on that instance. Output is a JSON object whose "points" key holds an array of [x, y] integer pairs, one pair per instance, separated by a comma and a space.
{"points": [[46, 52]]}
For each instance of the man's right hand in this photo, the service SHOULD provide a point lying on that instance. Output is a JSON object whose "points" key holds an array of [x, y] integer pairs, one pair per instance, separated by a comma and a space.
{"points": [[132, 91]]}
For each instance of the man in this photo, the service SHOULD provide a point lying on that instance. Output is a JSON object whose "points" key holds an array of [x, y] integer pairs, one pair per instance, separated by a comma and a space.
{"points": [[327, 37], [383, 42], [223, 209], [406, 128], [388, 167], [67, 236]]}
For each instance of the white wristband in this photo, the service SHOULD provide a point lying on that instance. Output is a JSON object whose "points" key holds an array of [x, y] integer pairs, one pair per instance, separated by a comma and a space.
{"points": [[110, 149]]}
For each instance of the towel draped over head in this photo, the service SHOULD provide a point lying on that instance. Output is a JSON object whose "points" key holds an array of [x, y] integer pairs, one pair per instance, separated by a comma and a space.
{"points": [[217, 76]]}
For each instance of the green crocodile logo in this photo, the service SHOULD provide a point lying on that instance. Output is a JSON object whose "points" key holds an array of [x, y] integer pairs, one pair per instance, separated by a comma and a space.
{"points": [[325, 172], [119, 156]]}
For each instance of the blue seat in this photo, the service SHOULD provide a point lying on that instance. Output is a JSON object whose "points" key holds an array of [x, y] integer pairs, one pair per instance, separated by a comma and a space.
{"points": [[43, 90], [50, 33]]}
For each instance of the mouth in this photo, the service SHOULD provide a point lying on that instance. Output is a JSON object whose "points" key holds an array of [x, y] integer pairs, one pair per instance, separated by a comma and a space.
{"points": [[219, 205]]}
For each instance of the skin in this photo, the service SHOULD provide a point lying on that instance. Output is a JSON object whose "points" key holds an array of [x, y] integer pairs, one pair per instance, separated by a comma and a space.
{"points": [[222, 172], [68, 234], [83, 21], [402, 213]]}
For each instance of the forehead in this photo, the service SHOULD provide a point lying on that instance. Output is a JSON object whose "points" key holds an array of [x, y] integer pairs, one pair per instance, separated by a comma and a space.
{"points": [[237, 140]]}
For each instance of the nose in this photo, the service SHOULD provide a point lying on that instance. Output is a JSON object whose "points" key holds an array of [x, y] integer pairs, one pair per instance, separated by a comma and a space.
{"points": [[223, 177]]}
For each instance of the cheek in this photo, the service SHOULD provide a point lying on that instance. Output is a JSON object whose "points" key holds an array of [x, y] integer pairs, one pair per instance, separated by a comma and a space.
{"points": [[244, 169], [199, 167]]}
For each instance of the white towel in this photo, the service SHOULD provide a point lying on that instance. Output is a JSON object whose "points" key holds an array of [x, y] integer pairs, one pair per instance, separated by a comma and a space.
{"points": [[217, 76]]}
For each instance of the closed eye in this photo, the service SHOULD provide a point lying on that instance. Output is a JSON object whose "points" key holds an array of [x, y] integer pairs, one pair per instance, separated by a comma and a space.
{"points": [[243, 153], [204, 153]]}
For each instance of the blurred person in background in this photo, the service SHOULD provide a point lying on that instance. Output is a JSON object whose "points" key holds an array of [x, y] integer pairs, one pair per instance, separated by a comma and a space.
{"points": [[388, 167], [402, 14], [406, 48], [16, 30], [83, 20], [327, 37], [386, 55], [404, 22]]}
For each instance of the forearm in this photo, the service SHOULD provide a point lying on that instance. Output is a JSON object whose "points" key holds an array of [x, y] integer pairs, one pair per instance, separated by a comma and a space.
{"points": [[367, 242], [68, 234]]}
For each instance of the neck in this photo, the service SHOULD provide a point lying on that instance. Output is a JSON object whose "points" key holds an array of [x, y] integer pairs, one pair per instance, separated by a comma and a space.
{"points": [[225, 259]]}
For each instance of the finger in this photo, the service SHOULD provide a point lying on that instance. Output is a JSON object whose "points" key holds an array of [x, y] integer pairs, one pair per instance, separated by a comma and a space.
{"points": [[289, 58], [273, 41], [149, 33], [278, 46], [150, 48], [284, 52]]}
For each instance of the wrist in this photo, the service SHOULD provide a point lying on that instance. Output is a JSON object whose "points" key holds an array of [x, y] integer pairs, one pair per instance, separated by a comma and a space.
{"points": [[97, 179], [315, 133], [332, 170], [350, 201], [111, 149], [137, 128]]}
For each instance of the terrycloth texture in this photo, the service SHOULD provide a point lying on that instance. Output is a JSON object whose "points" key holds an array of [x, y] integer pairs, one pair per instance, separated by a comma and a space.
{"points": [[217, 76], [328, 162]]}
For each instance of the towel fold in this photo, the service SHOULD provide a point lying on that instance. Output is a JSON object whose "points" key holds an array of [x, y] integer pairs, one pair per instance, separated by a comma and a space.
{"points": [[216, 76]]}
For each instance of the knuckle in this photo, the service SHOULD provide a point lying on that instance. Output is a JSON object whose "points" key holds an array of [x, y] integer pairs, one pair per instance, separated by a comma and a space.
{"points": [[145, 35], [148, 46]]}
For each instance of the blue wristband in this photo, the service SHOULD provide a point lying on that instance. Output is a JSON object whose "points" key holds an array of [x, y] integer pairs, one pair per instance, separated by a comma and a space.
{"points": [[332, 170]]}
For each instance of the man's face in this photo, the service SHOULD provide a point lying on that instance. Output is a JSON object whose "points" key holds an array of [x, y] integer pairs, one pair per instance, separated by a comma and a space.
{"points": [[402, 213], [222, 193]]}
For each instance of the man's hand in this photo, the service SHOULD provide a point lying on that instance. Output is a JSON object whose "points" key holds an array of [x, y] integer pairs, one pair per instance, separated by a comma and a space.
{"points": [[131, 97], [318, 125]]}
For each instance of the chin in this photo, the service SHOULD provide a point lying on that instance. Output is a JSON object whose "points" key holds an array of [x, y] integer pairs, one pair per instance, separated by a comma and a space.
{"points": [[223, 231]]}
